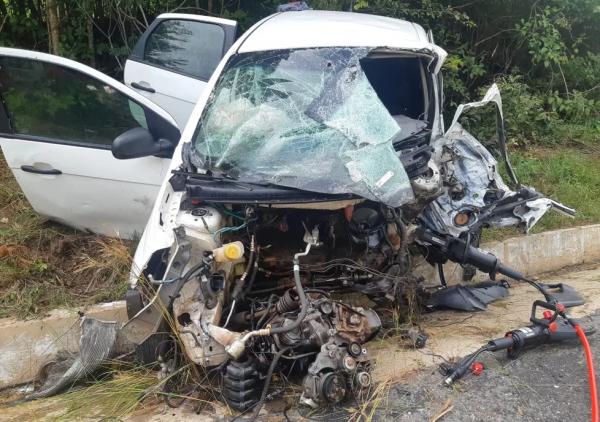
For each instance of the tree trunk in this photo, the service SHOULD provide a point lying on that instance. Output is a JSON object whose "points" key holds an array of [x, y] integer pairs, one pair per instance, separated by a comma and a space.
{"points": [[90, 36], [209, 6], [53, 26]]}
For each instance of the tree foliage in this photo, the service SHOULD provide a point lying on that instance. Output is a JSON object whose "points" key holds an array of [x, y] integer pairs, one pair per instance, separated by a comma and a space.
{"points": [[547, 49]]}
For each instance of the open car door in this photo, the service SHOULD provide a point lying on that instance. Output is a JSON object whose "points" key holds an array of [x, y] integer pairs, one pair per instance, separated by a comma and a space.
{"points": [[58, 120], [174, 58]]}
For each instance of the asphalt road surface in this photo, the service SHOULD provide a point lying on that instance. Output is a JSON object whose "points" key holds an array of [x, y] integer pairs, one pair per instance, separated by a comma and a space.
{"points": [[545, 384]]}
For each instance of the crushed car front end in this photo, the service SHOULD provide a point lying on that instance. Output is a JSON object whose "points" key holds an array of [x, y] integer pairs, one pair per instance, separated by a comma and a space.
{"points": [[308, 172]]}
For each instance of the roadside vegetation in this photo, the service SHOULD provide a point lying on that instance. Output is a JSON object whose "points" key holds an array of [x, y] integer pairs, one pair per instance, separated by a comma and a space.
{"points": [[45, 266]]}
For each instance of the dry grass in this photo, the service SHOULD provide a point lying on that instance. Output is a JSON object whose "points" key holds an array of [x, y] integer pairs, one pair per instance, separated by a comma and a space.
{"points": [[45, 265], [105, 261], [114, 396], [370, 402]]}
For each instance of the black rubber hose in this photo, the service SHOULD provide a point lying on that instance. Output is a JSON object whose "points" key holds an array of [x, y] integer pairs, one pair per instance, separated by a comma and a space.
{"points": [[263, 395], [186, 277], [464, 364], [442, 275], [239, 288], [303, 303], [267, 312], [250, 259], [252, 277]]}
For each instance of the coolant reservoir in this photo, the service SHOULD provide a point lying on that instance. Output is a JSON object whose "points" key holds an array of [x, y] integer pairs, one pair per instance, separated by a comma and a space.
{"points": [[201, 223], [229, 252]]}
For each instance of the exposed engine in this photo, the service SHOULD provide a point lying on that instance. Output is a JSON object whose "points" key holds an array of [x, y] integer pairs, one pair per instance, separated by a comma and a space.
{"points": [[268, 294], [256, 280]]}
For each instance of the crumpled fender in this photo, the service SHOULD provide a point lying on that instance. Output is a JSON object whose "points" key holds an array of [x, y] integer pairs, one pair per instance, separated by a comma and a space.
{"points": [[466, 162], [491, 96]]}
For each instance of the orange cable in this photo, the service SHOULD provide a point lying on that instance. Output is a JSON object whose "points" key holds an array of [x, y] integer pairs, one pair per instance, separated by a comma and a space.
{"points": [[591, 373]]}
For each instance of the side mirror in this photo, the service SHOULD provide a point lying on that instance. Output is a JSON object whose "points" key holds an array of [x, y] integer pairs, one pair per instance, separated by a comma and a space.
{"points": [[139, 142]]}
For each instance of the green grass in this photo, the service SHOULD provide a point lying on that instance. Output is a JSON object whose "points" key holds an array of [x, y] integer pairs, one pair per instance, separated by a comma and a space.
{"points": [[569, 176], [585, 137]]}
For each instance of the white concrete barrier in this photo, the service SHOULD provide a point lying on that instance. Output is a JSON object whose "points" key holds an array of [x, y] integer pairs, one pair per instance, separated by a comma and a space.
{"points": [[25, 346]]}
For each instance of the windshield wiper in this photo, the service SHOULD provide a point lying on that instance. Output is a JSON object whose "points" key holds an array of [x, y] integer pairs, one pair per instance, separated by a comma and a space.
{"points": [[206, 176], [224, 177]]}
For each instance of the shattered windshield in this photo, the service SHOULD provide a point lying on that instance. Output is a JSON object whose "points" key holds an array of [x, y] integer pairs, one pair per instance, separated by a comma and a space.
{"points": [[307, 119]]}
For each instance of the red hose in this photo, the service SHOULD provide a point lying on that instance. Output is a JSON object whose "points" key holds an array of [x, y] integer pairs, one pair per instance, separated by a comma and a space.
{"points": [[591, 373]]}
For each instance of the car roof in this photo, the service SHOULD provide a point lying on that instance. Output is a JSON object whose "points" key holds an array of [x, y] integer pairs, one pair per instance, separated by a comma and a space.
{"points": [[312, 28]]}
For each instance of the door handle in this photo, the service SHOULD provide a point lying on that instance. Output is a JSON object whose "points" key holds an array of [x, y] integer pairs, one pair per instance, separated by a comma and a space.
{"points": [[32, 169], [141, 87]]}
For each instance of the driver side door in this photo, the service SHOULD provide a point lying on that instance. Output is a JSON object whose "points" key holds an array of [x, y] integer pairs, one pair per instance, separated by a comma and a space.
{"points": [[58, 119]]}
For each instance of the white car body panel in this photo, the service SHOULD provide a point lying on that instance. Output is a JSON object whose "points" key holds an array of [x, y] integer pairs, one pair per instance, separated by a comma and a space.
{"points": [[199, 18], [180, 92], [273, 32], [312, 29], [95, 191], [175, 92]]}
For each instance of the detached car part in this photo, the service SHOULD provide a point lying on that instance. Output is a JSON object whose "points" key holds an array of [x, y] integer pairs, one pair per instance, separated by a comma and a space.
{"points": [[467, 298], [95, 347]]}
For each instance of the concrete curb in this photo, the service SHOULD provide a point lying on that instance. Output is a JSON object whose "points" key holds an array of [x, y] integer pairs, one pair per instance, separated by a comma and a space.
{"points": [[25, 346]]}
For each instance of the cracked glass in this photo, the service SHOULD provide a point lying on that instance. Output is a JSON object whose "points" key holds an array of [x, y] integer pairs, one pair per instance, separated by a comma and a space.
{"points": [[306, 119]]}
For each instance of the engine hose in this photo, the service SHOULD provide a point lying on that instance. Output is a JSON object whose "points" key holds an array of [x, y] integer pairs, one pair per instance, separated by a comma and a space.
{"points": [[267, 311], [403, 232], [252, 276], [301, 295], [237, 348], [239, 287], [591, 373], [186, 277], [250, 260], [263, 395]]}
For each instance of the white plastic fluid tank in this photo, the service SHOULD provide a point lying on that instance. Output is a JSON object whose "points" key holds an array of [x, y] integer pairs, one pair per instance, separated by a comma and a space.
{"points": [[201, 223]]}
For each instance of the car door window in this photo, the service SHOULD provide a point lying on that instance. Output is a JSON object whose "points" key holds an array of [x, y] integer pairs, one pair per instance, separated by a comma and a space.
{"points": [[186, 46], [58, 104]]}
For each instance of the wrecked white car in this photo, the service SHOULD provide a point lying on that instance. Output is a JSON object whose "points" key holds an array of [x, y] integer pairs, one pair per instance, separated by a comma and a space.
{"points": [[314, 164]]}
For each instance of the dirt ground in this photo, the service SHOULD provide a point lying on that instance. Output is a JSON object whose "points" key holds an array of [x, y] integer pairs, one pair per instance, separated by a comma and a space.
{"points": [[548, 383]]}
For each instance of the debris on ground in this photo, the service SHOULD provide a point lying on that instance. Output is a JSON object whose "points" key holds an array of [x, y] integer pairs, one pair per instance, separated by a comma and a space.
{"points": [[413, 385]]}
